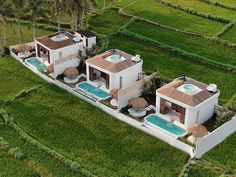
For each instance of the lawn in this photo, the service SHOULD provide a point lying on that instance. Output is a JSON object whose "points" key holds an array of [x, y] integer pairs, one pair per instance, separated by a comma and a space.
{"points": [[157, 12], [15, 78], [196, 45], [205, 8], [230, 35], [33, 156], [107, 23], [224, 154], [96, 140], [26, 30], [173, 66]]}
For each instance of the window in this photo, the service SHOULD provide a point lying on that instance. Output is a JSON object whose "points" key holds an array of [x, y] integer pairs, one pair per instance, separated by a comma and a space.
{"points": [[60, 54]]}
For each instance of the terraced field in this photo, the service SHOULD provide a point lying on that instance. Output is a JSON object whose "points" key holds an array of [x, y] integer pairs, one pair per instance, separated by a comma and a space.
{"points": [[205, 8], [97, 141], [230, 35], [157, 12]]}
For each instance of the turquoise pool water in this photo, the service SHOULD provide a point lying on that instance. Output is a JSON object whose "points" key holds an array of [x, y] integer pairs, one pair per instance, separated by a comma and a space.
{"points": [[94, 90], [168, 126], [37, 63], [189, 87]]}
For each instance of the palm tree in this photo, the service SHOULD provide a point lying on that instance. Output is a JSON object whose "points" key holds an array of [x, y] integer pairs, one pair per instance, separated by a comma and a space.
{"points": [[37, 10], [57, 7], [19, 9], [5, 10], [77, 9]]}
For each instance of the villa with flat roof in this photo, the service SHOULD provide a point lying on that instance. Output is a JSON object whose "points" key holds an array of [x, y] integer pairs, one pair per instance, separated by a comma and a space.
{"points": [[187, 101], [114, 69], [60, 50]]}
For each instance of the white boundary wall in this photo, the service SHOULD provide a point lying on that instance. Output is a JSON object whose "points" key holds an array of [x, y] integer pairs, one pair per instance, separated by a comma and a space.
{"points": [[214, 138], [202, 146]]}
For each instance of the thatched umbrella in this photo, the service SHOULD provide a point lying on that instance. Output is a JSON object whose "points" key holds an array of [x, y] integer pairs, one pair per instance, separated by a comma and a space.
{"points": [[51, 68], [71, 72], [114, 93], [138, 103], [197, 130], [22, 48]]}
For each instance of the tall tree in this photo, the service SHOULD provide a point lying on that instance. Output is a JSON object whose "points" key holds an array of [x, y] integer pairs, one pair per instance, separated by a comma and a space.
{"points": [[5, 10], [37, 10], [57, 8], [19, 9]]}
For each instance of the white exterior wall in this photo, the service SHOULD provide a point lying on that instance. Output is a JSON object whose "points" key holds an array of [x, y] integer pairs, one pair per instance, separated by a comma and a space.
{"points": [[60, 68], [129, 75], [91, 41], [190, 117]]}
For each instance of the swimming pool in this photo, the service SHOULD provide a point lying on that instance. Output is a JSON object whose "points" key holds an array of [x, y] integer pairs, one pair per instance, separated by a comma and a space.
{"points": [[89, 88], [36, 63], [162, 124]]}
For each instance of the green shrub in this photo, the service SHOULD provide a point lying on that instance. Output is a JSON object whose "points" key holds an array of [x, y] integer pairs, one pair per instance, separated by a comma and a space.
{"points": [[4, 145], [223, 116], [17, 153]]}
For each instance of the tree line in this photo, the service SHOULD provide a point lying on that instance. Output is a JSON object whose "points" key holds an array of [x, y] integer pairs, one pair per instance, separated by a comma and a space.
{"points": [[41, 9]]}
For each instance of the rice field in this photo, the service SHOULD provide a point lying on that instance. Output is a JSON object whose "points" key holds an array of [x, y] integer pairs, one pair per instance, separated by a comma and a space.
{"points": [[231, 3], [37, 162], [230, 35], [197, 45], [107, 22], [205, 8], [26, 30], [224, 155], [172, 66], [99, 142], [157, 12], [15, 78]]}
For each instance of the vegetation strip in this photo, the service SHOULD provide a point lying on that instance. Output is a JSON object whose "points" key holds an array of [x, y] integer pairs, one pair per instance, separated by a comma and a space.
{"points": [[225, 29], [194, 34], [195, 12], [72, 164], [182, 53], [219, 4]]}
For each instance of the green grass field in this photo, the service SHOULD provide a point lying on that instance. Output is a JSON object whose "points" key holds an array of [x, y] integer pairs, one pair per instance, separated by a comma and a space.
{"points": [[15, 78], [11, 167], [231, 3], [96, 140], [230, 35], [205, 8], [45, 163], [107, 23], [157, 12], [196, 45], [224, 155], [26, 30], [198, 171], [173, 66]]}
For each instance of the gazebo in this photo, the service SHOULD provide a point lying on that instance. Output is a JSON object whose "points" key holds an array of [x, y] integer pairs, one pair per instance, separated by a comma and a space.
{"points": [[138, 107], [71, 75]]}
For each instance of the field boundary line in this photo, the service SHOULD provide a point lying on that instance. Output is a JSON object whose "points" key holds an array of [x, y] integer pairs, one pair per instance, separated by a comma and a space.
{"points": [[215, 39], [191, 56], [73, 165], [195, 12], [226, 29], [219, 4]]}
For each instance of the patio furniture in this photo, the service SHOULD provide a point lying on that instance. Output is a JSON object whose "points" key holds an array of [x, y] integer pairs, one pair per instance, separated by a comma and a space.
{"points": [[24, 55], [137, 113]]}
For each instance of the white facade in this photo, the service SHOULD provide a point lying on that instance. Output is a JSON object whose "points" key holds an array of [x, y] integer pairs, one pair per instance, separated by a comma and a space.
{"points": [[193, 114], [87, 41], [120, 79]]}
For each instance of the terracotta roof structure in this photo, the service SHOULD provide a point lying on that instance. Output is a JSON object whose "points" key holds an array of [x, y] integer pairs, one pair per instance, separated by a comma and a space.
{"points": [[52, 44], [171, 91], [114, 67], [86, 33]]}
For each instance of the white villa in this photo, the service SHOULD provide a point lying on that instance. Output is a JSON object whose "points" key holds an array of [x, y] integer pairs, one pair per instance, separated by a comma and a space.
{"points": [[187, 101], [60, 50], [114, 69]]}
